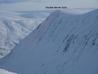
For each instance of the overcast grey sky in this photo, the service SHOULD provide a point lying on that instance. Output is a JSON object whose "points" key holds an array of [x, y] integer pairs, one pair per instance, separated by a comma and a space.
{"points": [[23, 5]]}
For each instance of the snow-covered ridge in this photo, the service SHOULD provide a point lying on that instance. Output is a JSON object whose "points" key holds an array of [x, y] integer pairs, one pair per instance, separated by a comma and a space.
{"points": [[77, 11], [14, 28]]}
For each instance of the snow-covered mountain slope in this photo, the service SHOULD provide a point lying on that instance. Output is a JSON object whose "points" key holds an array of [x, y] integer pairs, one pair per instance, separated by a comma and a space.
{"points": [[13, 28], [62, 44]]}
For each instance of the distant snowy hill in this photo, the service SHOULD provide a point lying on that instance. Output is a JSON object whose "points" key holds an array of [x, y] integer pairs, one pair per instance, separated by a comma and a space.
{"points": [[64, 43], [3, 71], [13, 28]]}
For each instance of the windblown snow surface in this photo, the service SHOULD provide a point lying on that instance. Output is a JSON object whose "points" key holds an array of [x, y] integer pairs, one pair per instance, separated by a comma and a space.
{"points": [[62, 44]]}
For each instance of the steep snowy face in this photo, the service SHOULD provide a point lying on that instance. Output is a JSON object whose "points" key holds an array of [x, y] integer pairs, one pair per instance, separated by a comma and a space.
{"points": [[62, 44], [14, 28]]}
